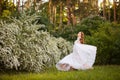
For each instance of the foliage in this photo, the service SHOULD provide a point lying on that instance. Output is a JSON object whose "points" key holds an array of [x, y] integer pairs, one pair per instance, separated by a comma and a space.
{"points": [[110, 12], [40, 19], [86, 25], [23, 46], [7, 8], [6, 13], [91, 23], [107, 40], [43, 20]]}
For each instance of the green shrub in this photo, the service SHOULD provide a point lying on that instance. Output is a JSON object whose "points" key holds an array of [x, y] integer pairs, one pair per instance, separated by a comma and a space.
{"points": [[24, 47], [107, 40], [90, 23]]}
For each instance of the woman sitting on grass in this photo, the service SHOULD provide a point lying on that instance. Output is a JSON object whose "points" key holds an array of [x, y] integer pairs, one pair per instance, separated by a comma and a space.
{"points": [[82, 57]]}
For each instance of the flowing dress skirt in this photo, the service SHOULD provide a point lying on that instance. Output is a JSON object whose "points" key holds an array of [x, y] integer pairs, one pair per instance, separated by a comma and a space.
{"points": [[82, 58]]}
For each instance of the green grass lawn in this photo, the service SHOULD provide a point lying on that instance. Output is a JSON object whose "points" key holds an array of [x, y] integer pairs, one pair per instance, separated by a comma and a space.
{"points": [[108, 72]]}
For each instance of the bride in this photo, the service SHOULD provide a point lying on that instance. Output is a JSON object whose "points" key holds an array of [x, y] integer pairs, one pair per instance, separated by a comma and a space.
{"points": [[82, 57]]}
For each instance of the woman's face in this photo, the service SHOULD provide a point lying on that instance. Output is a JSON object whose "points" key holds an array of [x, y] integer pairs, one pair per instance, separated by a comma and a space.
{"points": [[79, 34]]}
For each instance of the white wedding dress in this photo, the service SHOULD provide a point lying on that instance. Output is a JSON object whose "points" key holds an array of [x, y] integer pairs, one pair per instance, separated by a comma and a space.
{"points": [[82, 57]]}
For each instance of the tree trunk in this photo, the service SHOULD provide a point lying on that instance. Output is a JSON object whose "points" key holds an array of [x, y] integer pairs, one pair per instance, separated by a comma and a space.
{"points": [[73, 15], [50, 11], [61, 9], [97, 8], [109, 12], [18, 6], [54, 14], [79, 10], [104, 7], [35, 8], [69, 12], [0, 7], [114, 3], [22, 5]]}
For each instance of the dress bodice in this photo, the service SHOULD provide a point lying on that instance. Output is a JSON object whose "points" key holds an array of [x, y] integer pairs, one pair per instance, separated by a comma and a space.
{"points": [[77, 41]]}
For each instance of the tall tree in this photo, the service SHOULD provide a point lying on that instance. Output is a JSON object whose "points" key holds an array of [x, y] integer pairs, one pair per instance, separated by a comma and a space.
{"points": [[54, 13], [104, 9], [61, 10], [114, 5], [50, 11], [0, 7], [79, 10], [94, 6], [18, 6], [73, 12], [68, 2], [34, 1], [70, 11], [109, 12]]}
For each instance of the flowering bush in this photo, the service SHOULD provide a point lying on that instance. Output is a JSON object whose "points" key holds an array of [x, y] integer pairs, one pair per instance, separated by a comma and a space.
{"points": [[24, 47]]}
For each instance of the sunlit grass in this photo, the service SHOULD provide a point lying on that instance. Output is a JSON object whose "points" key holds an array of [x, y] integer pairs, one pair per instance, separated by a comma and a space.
{"points": [[111, 72]]}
